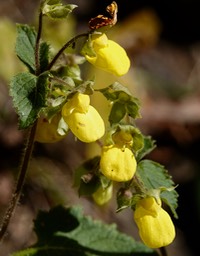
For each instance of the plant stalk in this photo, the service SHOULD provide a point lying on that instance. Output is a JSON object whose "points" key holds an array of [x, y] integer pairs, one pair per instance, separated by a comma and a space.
{"points": [[37, 46], [163, 251], [65, 46]]}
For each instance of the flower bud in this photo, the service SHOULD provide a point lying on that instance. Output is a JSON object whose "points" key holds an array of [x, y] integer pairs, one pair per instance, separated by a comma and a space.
{"points": [[83, 119], [110, 56], [103, 195], [155, 226], [117, 164]]}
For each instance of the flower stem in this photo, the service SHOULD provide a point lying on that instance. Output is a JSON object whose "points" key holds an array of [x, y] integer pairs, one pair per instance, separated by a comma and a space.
{"points": [[37, 46], [163, 251], [65, 46], [20, 181]]}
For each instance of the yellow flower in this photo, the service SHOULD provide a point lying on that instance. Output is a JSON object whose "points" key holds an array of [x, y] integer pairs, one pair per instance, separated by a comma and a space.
{"points": [[117, 163], [103, 195], [155, 226], [83, 119], [110, 56], [47, 131]]}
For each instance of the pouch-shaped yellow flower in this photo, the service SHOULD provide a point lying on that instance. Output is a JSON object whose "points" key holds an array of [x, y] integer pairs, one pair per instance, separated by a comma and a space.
{"points": [[110, 56], [46, 131], [83, 119], [117, 163], [155, 226]]}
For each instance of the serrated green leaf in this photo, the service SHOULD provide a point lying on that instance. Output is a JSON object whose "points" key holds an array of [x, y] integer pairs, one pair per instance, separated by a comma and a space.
{"points": [[117, 112], [25, 45], [68, 232], [104, 238], [155, 176], [28, 93]]}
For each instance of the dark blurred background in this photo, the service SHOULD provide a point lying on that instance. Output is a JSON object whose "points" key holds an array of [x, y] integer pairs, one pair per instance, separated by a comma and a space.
{"points": [[162, 39]]}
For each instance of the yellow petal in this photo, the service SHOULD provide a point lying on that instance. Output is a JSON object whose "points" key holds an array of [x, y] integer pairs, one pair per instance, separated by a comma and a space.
{"points": [[87, 127], [155, 226], [110, 56], [117, 164], [79, 101]]}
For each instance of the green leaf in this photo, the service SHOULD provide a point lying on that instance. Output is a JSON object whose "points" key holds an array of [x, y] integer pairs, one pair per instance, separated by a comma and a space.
{"points": [[117, 112], [113, 91], [104, 238], [132, 108], [124, 99], [64, 232], [148, 146], [25, 45], [28, 93], [155, 176]]}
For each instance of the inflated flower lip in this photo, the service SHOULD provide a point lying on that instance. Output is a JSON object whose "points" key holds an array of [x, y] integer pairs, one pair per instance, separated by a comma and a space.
{"points": [[110, 56], [155, 226], [83, 119], [117, 163]]}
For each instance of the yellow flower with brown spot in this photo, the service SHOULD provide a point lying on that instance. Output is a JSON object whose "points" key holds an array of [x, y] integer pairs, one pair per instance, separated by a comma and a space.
{"points": [[110, 56], [117, 163], [83, 119], [155, 226]]}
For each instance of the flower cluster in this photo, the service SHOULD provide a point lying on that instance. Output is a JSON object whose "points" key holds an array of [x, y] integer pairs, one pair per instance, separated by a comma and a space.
{"points": [[117, 162]]}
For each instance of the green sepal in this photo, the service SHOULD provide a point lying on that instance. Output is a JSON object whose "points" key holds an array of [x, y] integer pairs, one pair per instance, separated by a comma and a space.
{"points": [[86, 178], [25, 45], [58, 10], [155, 176], [87, 48], [124, 102], [117, 112], [29, 96]]}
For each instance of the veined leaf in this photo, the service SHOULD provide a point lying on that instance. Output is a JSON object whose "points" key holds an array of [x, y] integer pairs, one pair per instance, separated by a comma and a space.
{"points": [[25, 45], [64, 232], [28, 92], [155, 176]]}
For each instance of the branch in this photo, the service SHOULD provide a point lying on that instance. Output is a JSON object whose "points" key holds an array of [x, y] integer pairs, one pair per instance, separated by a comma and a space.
{"points": [[65, 46]]}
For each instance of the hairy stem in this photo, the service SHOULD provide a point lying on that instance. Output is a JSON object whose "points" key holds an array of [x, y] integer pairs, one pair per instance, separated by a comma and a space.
{"points": [[37, 46], [163, 251], [65, 46], [20, 181]]}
